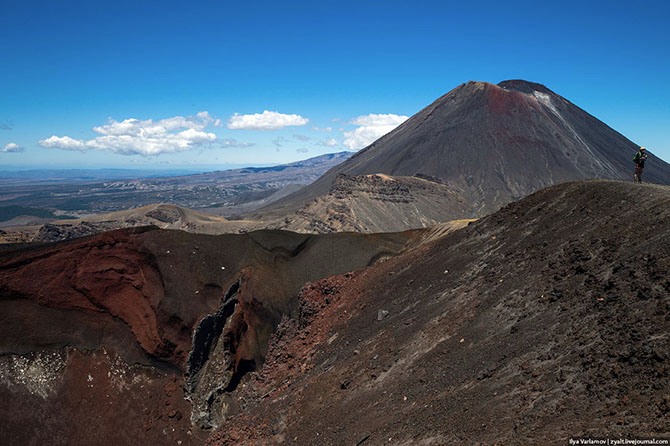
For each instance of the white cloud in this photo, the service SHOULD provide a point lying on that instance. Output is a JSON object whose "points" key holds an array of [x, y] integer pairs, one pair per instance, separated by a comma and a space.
{"points": [[302, 138], [143, 137], [371, 127], [322, 129], [332, 142], [64, 143], [302, 150], [268, 120], [12, 147], [147, 127]]}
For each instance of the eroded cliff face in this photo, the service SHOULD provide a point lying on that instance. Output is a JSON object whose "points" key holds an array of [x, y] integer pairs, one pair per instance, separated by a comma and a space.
{"points": [[380, 203], [220, 355]]}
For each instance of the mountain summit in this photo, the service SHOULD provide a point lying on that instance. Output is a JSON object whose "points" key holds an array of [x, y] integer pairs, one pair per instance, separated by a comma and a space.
{"points": [[494, 144]]}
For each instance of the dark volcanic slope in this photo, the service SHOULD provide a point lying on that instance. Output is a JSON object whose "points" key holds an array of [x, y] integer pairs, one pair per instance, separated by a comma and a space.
{"points": [[96, 333], [495, 143], [545, 321]]}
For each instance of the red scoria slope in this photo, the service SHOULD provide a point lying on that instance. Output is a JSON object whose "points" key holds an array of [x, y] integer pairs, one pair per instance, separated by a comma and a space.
{"points": [[545, 321], [108, 274], [141, 334]]}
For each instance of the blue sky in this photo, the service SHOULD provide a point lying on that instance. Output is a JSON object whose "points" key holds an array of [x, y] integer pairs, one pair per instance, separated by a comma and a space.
{"points": [[330, 75]]}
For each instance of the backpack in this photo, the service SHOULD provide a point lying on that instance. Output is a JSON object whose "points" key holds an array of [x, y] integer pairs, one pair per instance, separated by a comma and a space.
{"points": [[636, 158]]}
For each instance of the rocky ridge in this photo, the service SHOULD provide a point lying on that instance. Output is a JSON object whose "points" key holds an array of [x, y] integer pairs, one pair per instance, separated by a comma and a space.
{"points": [[545, 321], [377, 203]]}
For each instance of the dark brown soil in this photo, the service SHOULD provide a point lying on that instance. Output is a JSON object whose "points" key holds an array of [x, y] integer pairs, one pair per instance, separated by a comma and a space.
{"points": [[74, 397]]}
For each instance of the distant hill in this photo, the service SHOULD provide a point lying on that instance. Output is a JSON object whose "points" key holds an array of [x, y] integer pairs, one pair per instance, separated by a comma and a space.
{"points": [[220, 192], [491, 144], [11, 212], [164, 216]]}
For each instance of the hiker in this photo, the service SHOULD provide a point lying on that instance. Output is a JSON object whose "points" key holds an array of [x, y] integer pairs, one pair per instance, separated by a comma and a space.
{"points": [[640, 158]]}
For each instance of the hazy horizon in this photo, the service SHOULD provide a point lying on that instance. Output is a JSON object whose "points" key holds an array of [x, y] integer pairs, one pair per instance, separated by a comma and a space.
{"points": [[158, 167]]}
